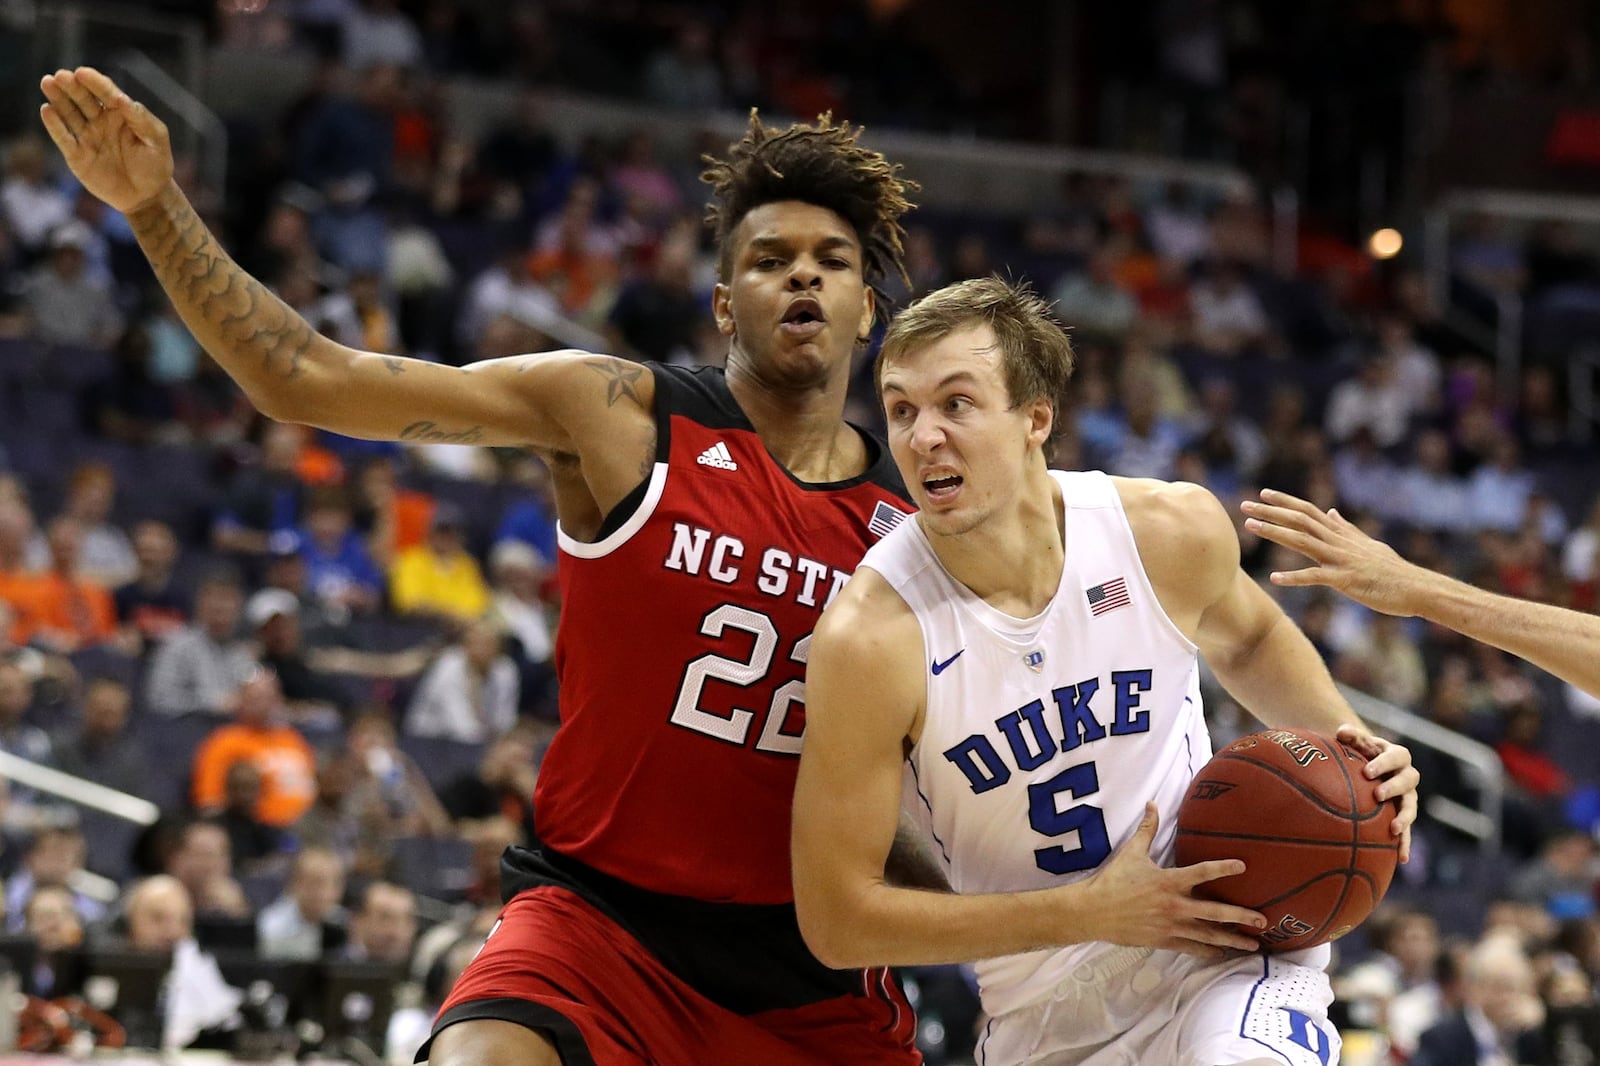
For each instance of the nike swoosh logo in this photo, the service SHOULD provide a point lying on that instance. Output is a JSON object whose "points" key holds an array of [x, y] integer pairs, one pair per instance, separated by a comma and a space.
{"points": [[939, 667]]}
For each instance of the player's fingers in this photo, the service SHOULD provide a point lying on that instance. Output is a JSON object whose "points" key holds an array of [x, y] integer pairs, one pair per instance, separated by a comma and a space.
{"points": [[1228, 914], [1304, 543], [57, 129], [1211, 870], [1223, 937], [1305, 576], [88, 104], [1361, 740], [1145, 834], [97, 85], [1288, 502], [1401, 783], [1278, 516], [1405, 845], [67, 110]]}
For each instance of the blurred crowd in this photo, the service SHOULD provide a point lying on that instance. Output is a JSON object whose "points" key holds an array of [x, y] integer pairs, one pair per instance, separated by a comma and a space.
{"points": [[328, 661]]}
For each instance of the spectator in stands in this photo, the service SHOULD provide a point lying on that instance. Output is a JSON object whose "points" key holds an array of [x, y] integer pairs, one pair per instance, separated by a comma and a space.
{"points": [[27, 810], [1580, 560], [439, 576], [685, 77], [1417, 370], [1436, 499], [1227, 314], [130, 405], [518, 575], [160, 916], [575, 256], [347, 817], [255, 846], [1374, 400], [377, 31], [264, 500], [1500, 1019], [66, 306], [1529, 767], [1365, 479], [149, 606], [506, 289], [1091, 301], [346, 153], [32, 204], [530, 516], [297, 924], [55, 858], [52, 919], [389, 515], [470, 693], [339, 571], [1564, 878], [60, 609], [259, 734], [656, 314], [390, 783], [199, 668], [105, 555], [1385, 661], [1148, 445], [201, 860], [100, 749], [501, 786], [1231, 445], [1500, 489], [384, 926]]}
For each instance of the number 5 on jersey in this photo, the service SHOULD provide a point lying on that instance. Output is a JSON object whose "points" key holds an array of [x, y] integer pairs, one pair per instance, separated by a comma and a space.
{"points": [[735, 727]]}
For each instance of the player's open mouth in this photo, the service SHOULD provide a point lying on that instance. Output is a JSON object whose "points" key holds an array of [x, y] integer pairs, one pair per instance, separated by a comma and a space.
{"points": [[941, 488], [804, 318]]}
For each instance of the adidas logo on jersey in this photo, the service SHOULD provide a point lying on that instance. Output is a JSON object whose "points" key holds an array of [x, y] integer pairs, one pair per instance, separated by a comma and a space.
{"points": [[717, 455]]}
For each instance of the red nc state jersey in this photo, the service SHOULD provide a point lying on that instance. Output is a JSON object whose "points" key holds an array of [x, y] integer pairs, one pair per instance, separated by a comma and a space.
{"points": [[682, 649]]}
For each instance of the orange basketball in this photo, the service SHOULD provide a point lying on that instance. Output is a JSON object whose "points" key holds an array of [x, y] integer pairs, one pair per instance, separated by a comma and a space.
{"points": [[1300, 813]]}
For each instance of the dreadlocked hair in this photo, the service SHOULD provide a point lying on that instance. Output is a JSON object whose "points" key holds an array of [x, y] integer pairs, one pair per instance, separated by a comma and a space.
{"points": [[822, 164]]}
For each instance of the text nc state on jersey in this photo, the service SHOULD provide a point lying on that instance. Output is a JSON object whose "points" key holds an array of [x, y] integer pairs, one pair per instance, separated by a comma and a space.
{"points": [[721, 557]]}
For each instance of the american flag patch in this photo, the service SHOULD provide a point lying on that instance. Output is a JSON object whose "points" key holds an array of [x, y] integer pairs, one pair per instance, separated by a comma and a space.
{"points": [[1108, 597], [884, 518]]}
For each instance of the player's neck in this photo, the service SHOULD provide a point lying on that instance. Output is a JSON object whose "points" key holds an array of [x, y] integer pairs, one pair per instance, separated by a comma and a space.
{"points": [[1013, 559], [802, 428]]}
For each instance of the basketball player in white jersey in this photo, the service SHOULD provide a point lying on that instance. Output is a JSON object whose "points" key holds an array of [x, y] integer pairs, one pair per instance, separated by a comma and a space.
{"points": [[1020, 664]]}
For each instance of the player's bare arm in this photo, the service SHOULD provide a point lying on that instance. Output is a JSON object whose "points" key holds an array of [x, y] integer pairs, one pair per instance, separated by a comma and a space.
{"points": [[1564, 642], [864, 698], [1191, 552], [561, 402]]}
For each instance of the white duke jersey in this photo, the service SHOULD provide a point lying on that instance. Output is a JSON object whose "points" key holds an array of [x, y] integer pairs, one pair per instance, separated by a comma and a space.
{"points": [[1044, 737]]}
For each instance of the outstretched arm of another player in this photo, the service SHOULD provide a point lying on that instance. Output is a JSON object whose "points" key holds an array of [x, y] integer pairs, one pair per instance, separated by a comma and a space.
{"points": [[1257, 652], [864, 685], [1566, 643], [122, 154]]}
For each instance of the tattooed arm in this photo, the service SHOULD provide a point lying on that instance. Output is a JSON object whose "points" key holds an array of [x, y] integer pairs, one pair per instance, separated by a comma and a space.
{"points": [[554, 402]]}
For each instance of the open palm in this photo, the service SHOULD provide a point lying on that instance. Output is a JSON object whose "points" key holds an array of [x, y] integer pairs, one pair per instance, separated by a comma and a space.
{"points": [[115, 146]]}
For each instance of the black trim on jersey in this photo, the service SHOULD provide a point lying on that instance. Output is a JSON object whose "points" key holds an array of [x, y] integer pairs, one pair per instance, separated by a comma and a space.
{"points": [[539, 1017], [701, 393], [744, 957]]}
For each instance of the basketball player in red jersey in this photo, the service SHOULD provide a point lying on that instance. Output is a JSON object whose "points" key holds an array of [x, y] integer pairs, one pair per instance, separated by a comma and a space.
{"points": [[706, 519]]}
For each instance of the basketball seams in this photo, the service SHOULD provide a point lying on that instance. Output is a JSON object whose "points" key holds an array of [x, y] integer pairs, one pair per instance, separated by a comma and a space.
{"points": [[1289, 779], [1265, 839], [1349, 874]]}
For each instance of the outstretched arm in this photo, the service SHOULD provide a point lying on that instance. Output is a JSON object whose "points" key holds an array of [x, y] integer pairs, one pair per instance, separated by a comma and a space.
{"points": [[1566, 643], [121, 153], [863, 684]]}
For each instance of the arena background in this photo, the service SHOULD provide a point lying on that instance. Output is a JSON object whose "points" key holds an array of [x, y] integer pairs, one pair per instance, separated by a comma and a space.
{"points": [[1350, 250]]}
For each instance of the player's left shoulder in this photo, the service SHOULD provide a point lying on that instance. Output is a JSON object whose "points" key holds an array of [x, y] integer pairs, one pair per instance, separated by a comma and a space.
{"points": [[1178, 511], [1184, 535]]}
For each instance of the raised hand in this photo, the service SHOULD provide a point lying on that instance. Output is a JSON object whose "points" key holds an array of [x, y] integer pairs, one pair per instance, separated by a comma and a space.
{"points": [[1368, 571], [115, 146], [1152, 906]]}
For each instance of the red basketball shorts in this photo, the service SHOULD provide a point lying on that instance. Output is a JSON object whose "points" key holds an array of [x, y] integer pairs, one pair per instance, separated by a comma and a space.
{"points": [[558, 965]]}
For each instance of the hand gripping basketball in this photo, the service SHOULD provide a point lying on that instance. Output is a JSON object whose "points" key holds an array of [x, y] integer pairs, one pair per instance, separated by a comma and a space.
{"points": [[1140, 904]]}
